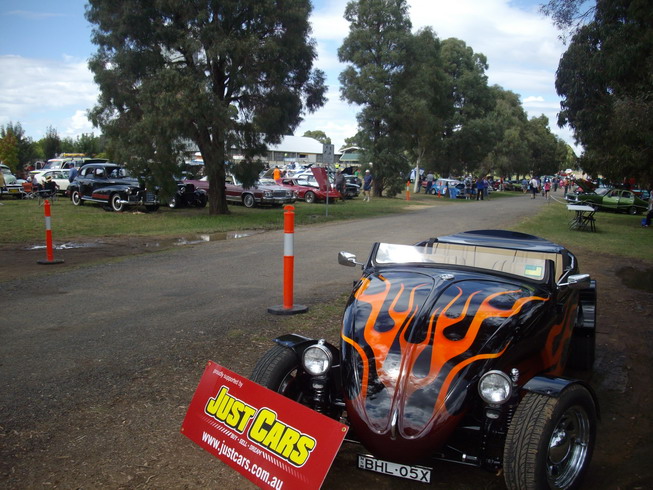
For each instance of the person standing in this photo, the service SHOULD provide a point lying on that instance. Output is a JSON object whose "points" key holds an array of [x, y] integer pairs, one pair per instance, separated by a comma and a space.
{"points": [[3, 184], [533, 185], [340, 184], [646, 222], [480, 189], [73, 173], [547, 189], [430, 178], [276, 173], [367, 185]]}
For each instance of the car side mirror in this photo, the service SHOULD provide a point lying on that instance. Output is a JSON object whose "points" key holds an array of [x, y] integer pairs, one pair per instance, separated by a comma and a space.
{"points": [[347, 259], [578, 281]]}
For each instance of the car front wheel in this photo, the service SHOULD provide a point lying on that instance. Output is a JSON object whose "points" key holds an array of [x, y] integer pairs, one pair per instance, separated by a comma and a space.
{"points": [[201, 202], [76, 198], [632, 210], [550, 440], [278, 370], [248, 201], [173, 203], [116, 203], [309, 197]]}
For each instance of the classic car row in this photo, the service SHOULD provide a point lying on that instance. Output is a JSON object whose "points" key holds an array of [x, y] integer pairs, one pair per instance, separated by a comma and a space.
{"points": [[268, 194], [458, 348], [607, 199]]}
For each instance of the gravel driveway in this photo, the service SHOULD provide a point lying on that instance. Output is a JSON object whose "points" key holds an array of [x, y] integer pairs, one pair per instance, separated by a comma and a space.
{"points": [[99, 363]]}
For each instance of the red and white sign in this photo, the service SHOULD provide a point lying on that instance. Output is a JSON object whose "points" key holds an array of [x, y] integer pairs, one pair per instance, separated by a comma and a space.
{"points": [[270, 439]]}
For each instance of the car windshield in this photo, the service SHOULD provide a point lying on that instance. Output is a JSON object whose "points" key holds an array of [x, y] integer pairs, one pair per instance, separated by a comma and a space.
{"points": [[531, 265]]}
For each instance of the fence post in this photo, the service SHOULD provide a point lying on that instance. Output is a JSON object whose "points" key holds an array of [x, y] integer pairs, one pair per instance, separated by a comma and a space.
{"points": [[288, 307], [49, 255]]}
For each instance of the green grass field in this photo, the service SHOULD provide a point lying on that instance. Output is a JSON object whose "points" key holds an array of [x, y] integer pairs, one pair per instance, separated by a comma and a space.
{"points": [[22, 221]]}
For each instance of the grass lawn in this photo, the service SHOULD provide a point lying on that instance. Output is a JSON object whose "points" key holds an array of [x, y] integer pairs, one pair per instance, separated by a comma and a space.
{"points": [[22, 221], [616, 233]]}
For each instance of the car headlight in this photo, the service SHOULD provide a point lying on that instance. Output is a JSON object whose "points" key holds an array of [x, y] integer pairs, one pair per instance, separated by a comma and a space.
{"points": [[317, 359], [495, 387]]}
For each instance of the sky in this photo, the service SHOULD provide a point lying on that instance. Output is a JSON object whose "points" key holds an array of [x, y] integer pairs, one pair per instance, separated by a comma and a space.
{"points": [[45, 46]]}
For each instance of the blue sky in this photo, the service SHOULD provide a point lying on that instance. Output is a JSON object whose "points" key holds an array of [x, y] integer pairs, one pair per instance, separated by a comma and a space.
{"points": [[45, 45]]}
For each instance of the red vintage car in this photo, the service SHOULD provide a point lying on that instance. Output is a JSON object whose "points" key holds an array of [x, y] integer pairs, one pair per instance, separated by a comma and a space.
{"points": [[307, 193], [256, 195]]}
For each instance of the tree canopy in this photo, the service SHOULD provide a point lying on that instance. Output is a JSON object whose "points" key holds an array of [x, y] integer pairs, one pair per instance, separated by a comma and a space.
{"points": [[606, 81], [222, 75], [376, 51]]}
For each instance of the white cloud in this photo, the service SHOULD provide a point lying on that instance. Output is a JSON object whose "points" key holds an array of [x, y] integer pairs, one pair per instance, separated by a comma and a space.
{"points": [[44, 92], [78, 124]]}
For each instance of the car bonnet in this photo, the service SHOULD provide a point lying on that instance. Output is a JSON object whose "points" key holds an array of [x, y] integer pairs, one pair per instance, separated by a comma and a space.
{"points": [[414, 342]]}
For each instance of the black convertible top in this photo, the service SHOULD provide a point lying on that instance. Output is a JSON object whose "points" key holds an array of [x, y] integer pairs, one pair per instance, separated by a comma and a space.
{"points": [[501, 239]]}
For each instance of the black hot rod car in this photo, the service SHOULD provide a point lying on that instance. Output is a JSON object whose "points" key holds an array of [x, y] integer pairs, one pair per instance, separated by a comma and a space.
{"points": [[457, 348]]}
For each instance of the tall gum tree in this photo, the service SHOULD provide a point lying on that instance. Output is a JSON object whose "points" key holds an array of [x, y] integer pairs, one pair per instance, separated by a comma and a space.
{"points": [[606, 84], [224, 75], [375, 51]]}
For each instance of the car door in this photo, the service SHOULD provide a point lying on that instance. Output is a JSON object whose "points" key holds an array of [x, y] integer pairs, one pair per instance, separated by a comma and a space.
{"points": [[611, 199], [85, 181], [626, 200]]}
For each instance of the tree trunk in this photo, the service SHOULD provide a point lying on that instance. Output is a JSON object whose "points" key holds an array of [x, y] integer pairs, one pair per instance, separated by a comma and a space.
{"points": [[213, 156]]}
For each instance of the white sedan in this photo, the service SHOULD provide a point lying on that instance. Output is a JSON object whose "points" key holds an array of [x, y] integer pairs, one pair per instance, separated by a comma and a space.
{"points": [[59, 175]]}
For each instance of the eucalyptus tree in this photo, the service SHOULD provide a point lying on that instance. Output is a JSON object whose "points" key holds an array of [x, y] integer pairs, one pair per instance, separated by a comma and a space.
{"points": [[376, 52], [234, 74], [318, 135], [469, 134], [51, 143], [510, 153], [421, 107], [543, 147], [606, 84]]}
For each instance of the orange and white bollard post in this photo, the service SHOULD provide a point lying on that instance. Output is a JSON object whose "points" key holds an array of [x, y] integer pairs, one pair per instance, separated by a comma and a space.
{"points": [[49, 254], [408, 191], [288, 307]]}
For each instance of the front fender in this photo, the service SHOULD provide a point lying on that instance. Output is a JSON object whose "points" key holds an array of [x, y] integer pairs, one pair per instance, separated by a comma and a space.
{"points": [[298, 344], [553, 387]]}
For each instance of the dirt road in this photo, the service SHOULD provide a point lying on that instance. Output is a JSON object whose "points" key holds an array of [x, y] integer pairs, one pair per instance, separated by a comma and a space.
{"points": [[100, 360]]}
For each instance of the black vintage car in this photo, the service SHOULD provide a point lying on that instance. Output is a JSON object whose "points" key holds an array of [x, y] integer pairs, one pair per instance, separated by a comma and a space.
{"points": [[188, 195], [111, 185], [457, 348]]}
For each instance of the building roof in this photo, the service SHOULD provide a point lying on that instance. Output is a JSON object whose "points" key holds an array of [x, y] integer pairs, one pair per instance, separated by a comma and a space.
{"points": [[298, 144]]}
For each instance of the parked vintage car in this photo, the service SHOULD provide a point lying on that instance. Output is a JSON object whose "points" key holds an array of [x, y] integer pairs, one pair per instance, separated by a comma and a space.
{"points": [[111, 185], [309, 194], [620, 200], [457, 348], [439, 185], [268, 194], [352, 187], [12, 186], [60, 176], [188, 196]]}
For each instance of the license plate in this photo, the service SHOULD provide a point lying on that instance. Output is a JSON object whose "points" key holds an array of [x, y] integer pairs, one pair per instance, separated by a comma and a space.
{"points": [[13, 191], [415, 473]]}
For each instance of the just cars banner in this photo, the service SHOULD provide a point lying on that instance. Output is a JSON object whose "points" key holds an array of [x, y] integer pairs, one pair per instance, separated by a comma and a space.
{"points": [[270, 439]]}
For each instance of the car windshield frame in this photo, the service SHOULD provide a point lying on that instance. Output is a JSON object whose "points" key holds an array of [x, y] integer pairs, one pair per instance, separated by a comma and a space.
{"points": [[530, 265]]}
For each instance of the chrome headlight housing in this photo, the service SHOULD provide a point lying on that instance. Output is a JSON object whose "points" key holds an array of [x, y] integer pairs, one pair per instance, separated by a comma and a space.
{"points": [[495, 387], [317, 359]]}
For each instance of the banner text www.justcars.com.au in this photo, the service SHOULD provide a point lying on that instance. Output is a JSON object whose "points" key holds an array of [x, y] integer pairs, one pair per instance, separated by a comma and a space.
{"points": [[232, 454]]}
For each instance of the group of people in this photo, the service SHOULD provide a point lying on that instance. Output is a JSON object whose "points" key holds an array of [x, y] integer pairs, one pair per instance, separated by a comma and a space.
{"points": [[47, 188]]}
